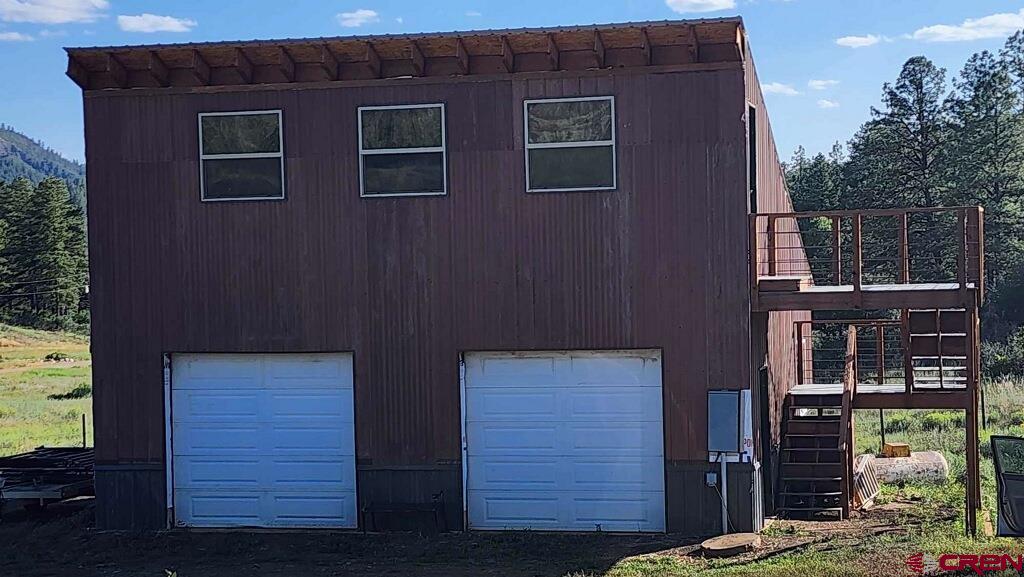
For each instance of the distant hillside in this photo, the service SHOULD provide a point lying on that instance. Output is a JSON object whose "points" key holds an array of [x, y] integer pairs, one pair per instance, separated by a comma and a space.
{"points": [[22, 156]]}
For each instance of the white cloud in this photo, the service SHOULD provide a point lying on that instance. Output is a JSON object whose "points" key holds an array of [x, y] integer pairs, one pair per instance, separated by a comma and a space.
{"points": [[154, 23], [858, 41], [474, 14], [14, 37], [821, 84], [358, 18], [400, 20], [779, 88], [47, 33], [684, 6], [825, 103], [52, 11], [992, 26]]}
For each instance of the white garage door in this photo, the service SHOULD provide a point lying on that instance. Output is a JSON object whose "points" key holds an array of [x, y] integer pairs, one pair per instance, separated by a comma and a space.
{"points": [[263, 440], [569, 441]]}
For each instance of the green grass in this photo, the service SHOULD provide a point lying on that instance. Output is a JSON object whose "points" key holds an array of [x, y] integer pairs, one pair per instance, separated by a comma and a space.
{"points": [[28, 416]]}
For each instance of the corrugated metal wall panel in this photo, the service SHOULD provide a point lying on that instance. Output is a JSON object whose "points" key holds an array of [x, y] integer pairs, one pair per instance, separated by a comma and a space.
{"points": [[409, 283]]}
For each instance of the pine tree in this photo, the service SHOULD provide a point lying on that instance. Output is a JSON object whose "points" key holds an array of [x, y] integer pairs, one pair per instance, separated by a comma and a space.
{"points": [[989, 155], [51, 267]]}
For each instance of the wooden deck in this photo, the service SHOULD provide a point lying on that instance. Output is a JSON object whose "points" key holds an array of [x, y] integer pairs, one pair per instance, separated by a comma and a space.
{"points": [[894, 395], [871, 297]]}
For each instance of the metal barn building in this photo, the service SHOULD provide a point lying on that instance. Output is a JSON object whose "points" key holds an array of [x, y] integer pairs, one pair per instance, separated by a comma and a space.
{"points": [[496, 273]]}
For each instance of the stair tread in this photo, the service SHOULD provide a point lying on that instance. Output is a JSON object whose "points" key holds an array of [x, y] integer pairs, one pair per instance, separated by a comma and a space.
{"points": [[812, 435], [811, 494], [836, 509], [808, 449], [812, 479]]}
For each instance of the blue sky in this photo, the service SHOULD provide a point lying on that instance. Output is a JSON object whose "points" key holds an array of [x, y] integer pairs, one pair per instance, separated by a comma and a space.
{"points": [[822, 62]]}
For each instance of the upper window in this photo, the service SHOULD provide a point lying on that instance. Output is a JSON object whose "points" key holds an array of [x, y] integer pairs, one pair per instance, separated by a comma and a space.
{"points": [[402, 150], [241, 155], [570, 144]]}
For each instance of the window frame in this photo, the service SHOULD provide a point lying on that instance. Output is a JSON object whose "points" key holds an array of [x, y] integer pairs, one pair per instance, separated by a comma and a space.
{"points": [[443, 149], [233, 156], [527, 146]]}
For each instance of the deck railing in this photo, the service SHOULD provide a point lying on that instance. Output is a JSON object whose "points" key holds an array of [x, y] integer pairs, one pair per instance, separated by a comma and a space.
{"points": [[871, 247], [821, 350]]}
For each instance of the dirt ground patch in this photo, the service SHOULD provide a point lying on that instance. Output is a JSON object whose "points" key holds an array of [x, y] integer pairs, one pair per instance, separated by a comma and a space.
{"points": [[61, 541]]}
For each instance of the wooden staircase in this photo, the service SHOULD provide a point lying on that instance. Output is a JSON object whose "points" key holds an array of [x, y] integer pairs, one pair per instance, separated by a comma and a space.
{"points": [[812, 457], [816, 476]]}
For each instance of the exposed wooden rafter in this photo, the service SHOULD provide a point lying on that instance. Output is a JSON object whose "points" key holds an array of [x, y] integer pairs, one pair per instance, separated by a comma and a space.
{"points": [[645, 46], [416, 55], [694, 44], [508, 57], [328, 62], [286, 64], [116, 70], [78, 73], [461, 56], [200, 68], [158, 70], [243, 65], [552, 52], [718, 42], [372, 60]]}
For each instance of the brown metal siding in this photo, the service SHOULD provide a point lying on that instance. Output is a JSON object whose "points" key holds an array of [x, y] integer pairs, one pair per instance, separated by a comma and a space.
{"points": [[772, 196]]}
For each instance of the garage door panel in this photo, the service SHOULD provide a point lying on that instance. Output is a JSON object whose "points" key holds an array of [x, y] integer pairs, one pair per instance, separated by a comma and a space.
{"points": [[512, 404], [564, 438], [274, 448], [616, 438], [307, 371], [609, 403], [570, 441], [545, 510], [574, 474], [197, 405], [304, 404], [264, 473], [337, 509]]}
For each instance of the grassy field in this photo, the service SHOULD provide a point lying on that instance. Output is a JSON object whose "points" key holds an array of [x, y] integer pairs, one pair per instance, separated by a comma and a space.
{"points": [[38, 404]]}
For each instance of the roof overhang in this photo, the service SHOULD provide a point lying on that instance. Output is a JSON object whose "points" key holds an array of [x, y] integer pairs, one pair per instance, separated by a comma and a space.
{"points": [[414, 55]]}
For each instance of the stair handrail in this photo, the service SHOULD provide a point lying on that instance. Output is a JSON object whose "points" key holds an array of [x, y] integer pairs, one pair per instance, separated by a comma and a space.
{"points": [[846, 449]]}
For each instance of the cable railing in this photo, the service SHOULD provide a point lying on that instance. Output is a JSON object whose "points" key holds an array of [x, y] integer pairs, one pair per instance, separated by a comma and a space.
{"points": [[858, 248]]}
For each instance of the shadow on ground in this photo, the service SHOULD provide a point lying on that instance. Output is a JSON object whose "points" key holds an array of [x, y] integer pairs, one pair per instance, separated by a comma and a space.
{"points": [[61, 540]]}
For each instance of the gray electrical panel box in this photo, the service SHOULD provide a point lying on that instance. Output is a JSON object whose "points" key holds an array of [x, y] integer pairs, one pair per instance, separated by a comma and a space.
{"points": [[724, 422]]}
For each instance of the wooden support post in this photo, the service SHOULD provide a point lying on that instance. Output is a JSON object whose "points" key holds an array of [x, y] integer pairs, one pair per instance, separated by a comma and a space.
{"points": [[904, 245], [158, 70], [117, 71], [286, 64], [243, 66], [908, 355], [961, 253], [553, 54], [799, 353], [857, 260], [880, 354], [200, 68], [461, 56], [755, 269], [328, 62], [419, 64], [373, 60], [837, 251], [645, 47], [599, 51], [508, 58], [973, 378], [772, 265]]}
